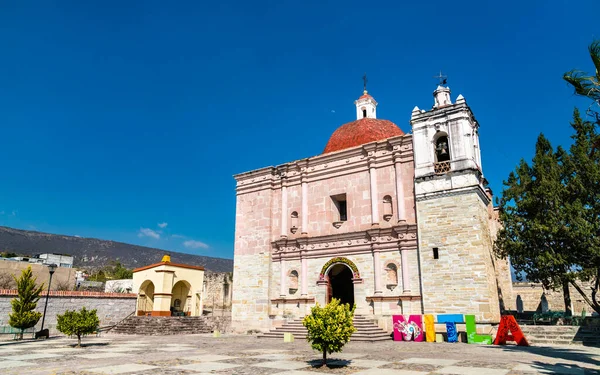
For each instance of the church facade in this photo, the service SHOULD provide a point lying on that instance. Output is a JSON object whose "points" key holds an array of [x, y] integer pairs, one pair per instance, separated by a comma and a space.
{"points": [[395, 223]]}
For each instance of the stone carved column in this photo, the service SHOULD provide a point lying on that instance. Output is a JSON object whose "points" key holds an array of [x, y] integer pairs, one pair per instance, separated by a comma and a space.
{"points": [[377, 270], [374, 194], [284, 208], [405, 272], [304, 229], [282, 292], [399, 187]]}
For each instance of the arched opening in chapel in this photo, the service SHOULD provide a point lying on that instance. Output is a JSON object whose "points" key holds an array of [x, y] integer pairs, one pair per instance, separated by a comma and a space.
{"points": [[340, 284], [145, 302], [181, 298]]}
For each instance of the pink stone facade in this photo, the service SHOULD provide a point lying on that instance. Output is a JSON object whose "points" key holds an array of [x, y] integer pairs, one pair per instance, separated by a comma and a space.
{"points": [[268, 248]]}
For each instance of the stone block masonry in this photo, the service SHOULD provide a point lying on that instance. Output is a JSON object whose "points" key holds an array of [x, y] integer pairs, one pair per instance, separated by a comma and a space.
{"points": [[459, 277], [111, 307]]}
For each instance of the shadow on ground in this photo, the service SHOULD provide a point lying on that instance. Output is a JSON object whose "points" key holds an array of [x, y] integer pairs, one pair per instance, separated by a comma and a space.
{"points": [[331, 363], [571, 354], [25, 341]]}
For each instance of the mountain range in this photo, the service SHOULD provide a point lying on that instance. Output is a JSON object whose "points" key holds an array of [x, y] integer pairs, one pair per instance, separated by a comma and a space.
{"points": [[92, 253]]}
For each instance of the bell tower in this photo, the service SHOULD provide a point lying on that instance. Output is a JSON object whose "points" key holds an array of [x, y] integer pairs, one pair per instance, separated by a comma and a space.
{"points": [[366, 106], [455, 244]]}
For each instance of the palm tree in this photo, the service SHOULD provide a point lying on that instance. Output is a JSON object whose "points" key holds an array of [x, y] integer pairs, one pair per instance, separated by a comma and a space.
{"points": [[588, 85], [585, 84]]}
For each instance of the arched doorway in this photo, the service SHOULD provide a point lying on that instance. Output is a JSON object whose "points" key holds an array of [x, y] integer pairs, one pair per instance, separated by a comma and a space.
{"points": [[145, 302], [181, 298], [340, 284]]}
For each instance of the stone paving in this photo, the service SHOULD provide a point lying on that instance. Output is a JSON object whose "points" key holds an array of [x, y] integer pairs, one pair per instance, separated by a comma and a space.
{"points": [[248, 355]]}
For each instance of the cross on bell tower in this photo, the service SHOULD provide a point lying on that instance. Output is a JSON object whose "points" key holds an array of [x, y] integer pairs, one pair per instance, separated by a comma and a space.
{"points": [[366, 106]]}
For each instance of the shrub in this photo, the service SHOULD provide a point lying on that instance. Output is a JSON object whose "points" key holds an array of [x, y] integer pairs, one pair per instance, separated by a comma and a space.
{"points": [[78, 323], [329, 327]]}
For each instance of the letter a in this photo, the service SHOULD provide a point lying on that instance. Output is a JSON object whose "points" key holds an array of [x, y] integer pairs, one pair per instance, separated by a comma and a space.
{"points": [[508, 324]]}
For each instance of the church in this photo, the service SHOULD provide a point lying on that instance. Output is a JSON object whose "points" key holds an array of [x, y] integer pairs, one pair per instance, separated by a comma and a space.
{"points": [[396, 222]]}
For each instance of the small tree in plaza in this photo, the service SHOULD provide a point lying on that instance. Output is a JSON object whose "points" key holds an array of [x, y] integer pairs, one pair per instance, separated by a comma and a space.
{"points": [[329, 327], [23, 315], [78, 323]]}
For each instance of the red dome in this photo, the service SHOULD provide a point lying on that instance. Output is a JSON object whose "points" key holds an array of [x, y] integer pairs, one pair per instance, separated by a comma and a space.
{"points": [[361, 131]]}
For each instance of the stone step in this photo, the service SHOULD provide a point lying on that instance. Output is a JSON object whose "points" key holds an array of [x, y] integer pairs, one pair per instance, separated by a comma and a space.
{"points": [[143, 325], [366, 330]]}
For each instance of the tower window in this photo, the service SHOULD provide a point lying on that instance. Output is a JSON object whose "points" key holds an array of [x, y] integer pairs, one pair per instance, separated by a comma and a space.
{"points": [[442, 153], [436, 254], [364, 113], [341, 205]]}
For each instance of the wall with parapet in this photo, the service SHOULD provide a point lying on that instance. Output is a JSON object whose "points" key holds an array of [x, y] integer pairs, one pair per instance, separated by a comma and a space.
{"points": [[531, 296], [111, 307]]}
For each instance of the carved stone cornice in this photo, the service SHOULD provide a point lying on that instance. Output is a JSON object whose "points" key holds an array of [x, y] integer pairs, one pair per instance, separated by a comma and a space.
{"points": [[449, 193], [402, 297], [293, 300], [398, 238]]}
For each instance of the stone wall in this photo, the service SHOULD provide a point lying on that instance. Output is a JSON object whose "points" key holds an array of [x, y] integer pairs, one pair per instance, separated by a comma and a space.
{"points": [[462, 280], [217, 290], [111, 307], [63, 278], [531, 296]]}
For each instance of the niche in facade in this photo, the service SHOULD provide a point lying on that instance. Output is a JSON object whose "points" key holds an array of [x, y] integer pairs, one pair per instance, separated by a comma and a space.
{"points": [[293, 282], [391, 272], [387, 208], [294, 220]]}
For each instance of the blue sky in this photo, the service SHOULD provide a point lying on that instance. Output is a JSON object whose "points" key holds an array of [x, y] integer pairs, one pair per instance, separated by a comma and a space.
{"points": [[125, 120]]}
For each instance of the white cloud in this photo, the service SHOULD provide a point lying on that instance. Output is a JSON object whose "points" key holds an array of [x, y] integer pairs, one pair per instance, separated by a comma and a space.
{"points": [[163, 225], [191, 244], [14, 213], [147, 232], [333, 111], [178, 236]]}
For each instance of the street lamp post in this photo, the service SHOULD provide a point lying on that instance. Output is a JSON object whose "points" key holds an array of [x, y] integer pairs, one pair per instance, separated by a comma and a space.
{"points": [[51, 269]]}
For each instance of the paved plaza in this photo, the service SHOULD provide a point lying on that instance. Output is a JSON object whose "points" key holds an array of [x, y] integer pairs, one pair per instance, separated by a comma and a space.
{"points": [[204, 354]]}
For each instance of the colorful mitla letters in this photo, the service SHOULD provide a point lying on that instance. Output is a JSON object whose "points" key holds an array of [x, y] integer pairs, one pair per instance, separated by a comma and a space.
{"points": [[412, 329]]}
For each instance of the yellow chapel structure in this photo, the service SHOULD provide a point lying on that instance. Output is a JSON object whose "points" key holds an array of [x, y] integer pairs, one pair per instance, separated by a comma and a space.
{"points": [[169, 289]]}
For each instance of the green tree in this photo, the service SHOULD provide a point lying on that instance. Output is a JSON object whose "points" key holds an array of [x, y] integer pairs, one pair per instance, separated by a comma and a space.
{"points": [[535, 233], [584, 176], [119, 272], [329, 327], [23, 315], [78, 323], [583, 183]]}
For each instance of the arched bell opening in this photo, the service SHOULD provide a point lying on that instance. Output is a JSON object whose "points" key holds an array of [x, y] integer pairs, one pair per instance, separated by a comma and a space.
{"points": [[145, 301], [442, 151]]}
